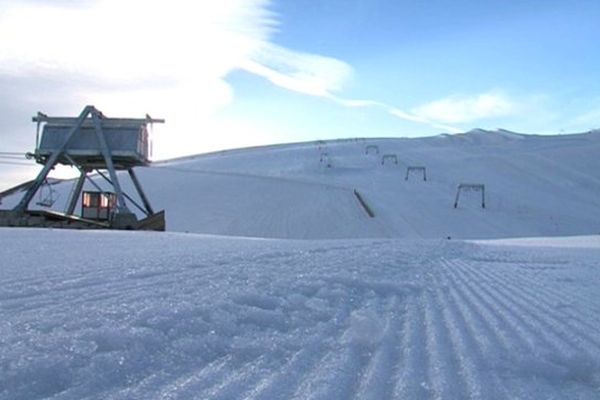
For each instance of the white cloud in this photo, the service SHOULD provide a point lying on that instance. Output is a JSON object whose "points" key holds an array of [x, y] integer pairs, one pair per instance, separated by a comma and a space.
{"points": [[305, 73], [320, 76], [394, 111], [427, 121], [465, 109], [134, 40], [168, 58]]}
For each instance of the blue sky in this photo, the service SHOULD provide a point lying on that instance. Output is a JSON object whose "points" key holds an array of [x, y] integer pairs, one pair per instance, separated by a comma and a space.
{"points": [[536, 62], [250, 72]]}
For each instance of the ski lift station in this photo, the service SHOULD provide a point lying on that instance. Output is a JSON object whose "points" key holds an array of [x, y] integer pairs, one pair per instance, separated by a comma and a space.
{"points": [[91, 143]]}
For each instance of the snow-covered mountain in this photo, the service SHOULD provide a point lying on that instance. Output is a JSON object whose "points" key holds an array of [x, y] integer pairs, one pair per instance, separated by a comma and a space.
{"points": [[534, 186]]}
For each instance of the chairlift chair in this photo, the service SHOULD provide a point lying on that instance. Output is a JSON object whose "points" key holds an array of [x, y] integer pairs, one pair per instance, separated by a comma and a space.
{"points": [[391, 157], [372, 149], [47, 195], [474, 187]]}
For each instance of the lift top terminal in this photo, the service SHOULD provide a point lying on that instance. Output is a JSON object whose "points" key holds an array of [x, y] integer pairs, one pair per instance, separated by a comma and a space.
{"points": [[91, 143]]}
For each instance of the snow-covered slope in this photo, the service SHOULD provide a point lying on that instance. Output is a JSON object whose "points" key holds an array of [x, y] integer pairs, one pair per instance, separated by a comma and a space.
{"points": [[382, 314], [535, 186], [122, 315]]}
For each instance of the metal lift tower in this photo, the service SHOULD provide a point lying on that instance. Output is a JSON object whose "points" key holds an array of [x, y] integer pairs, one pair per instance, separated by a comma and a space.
{"points": [[90, 142]]}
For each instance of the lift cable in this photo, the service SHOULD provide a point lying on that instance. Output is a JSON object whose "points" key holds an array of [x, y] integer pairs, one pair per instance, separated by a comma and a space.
{"points": [[16, 163]]}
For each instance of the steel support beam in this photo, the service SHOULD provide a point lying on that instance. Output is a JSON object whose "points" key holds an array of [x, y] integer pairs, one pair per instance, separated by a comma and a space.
{"points": [[75, 193], [128, 197], [70, 120], [81, 170], [141, 193], [51, 162], [121, 205]]}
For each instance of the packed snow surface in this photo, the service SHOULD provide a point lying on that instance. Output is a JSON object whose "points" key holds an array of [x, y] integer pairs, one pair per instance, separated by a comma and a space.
{"points": [[121, 315], [392, 307]]}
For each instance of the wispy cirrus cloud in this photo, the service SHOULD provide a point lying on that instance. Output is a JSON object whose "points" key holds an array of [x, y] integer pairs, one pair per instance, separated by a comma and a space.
{"points": [[320, 76], [466, 109], [396, 112], [301, 72]]}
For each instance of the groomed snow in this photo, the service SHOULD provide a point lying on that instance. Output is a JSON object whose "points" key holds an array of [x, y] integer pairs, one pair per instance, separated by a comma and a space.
{"points": [[584, 242], [121, 315], [387, 308], [535, 186]]}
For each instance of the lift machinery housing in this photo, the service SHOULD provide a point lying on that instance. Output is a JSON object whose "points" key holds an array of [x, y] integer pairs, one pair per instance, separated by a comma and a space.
{"points": [[92, 143]]}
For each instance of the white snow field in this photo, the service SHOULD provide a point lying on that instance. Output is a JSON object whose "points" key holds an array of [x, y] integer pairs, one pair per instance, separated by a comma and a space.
{"points": [[121, 315], [361, 308], [535, 186]]}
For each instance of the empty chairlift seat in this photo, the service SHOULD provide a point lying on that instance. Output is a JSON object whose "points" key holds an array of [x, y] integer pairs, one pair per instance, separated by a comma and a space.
{"points": [[470, 187], [416, 170], [372, 149], [389, 158]]}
